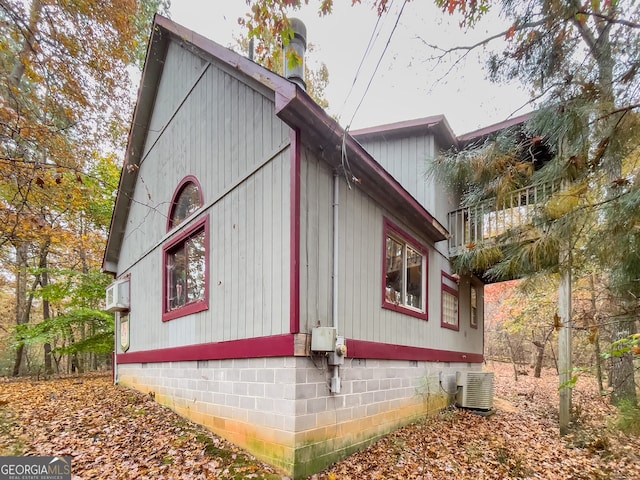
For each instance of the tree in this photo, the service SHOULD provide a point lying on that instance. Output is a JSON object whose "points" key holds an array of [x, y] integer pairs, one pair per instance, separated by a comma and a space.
{"points": [[579, 60], [64, 91]]}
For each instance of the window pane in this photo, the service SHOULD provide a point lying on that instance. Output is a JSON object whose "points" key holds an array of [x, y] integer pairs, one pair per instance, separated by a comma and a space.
{"points": [[449, 308], [474, 307], [176, 278], [414, 278], [195, 268], [188, 201], [394, 271]]}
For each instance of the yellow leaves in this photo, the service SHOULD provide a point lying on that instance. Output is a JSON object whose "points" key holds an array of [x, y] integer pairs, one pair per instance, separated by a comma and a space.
{"points": [[565, 202]]}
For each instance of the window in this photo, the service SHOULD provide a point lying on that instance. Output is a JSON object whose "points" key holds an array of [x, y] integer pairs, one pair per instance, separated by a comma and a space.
{"points": [[185, 257], [474, 306], [187, 199], [405, 273], [450, 311]]}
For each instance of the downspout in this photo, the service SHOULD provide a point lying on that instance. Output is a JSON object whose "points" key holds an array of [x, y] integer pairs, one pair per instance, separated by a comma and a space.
{"points": [[336, 358], [336, 249], [116, 319]]}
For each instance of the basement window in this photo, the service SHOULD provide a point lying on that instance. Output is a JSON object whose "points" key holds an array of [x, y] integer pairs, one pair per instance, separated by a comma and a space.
{"points": [[405, 273], [450, 311]]}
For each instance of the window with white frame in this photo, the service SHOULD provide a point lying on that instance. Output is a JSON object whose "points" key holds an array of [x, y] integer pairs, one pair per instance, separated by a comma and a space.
{"points": [[405, 273], [450, 309]]}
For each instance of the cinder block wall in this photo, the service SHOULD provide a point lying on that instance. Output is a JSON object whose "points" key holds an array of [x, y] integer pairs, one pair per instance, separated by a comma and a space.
{"points": [[281, 410]]}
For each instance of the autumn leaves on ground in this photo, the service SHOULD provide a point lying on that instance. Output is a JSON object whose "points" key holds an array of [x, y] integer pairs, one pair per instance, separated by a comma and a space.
{"points": [[112, 432]]}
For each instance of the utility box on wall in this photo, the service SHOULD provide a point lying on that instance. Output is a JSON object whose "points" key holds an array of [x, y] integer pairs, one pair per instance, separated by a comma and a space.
{"points": [[323, 339]]}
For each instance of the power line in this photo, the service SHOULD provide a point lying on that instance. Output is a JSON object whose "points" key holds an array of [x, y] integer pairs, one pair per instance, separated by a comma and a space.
{"points": [[395, 25]]}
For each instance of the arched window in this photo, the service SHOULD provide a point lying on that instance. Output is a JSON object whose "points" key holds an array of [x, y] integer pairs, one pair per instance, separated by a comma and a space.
{"points": [[186, 200], [186, 255]]}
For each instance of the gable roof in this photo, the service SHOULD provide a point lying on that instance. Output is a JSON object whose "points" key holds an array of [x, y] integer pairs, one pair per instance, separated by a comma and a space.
{"points": [[436, 124], [482, 133], [318, 131]]}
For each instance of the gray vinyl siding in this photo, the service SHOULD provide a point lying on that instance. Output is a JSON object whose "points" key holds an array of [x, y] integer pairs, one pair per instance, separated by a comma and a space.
{"points": [[361, 238], [226, 134], [406, 159]]}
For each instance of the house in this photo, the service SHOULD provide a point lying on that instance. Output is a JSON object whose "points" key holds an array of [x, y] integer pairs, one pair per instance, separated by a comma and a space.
{"points": [[283, 282]]}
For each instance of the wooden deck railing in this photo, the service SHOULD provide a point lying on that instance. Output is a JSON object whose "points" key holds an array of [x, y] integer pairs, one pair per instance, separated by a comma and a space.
{"points": [[485, 221]]}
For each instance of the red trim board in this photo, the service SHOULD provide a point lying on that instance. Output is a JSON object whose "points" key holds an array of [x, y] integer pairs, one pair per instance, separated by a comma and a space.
{"points": [[283, 346], [276, 346], [294, 297]]}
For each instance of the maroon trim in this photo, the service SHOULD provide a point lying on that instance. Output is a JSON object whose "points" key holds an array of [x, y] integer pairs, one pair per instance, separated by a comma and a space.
{"points": [[497, 127], [294, 276], [318, 128], [183, 183], [436, 124], [388, 225], [388, 351], [453, 291], [275, 346], [200, 305]]}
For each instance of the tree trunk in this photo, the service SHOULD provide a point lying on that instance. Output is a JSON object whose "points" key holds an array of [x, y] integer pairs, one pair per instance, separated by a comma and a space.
{"points": [[595, 332], [622, 371], [46, 311], [22, 316], [513, 357], [537, 371], [27, 47]]}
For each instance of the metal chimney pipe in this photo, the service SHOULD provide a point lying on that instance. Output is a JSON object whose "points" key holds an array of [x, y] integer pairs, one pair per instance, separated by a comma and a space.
{"points": [[297, 46]]}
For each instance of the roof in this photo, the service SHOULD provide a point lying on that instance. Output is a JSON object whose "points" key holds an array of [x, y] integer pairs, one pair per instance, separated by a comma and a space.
{"points": [[436, 125], [293, 105], [484, 132]]}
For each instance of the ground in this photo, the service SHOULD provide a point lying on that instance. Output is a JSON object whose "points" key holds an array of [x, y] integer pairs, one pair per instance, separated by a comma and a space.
{"points": [[115, 433]]}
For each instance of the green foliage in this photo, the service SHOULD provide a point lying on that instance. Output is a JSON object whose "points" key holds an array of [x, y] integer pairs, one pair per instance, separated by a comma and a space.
{"points": [[59, 330], [628, 417], [624, 346]]}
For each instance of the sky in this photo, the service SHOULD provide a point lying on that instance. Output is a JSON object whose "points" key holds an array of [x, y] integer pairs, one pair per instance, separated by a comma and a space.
{"points": [[408, 83]]}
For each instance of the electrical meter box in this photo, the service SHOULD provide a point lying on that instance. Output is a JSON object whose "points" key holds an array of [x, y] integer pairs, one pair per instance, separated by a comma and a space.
{"points": [[323, 339]]}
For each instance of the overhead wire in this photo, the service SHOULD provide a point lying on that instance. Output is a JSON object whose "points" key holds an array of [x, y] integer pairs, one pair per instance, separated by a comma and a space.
{"points": [[345, 159], [375, 71]]}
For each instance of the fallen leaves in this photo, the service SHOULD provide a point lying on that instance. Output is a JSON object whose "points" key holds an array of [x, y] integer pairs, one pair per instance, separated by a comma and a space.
{"points": [[116, 433], [521, 440]]}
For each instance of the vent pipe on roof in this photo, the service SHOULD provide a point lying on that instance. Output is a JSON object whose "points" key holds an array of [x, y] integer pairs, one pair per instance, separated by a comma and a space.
{"points": [[294, 53]]}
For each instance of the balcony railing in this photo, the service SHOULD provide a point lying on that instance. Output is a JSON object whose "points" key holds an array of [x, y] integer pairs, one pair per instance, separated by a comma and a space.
{"points": [[484, 222]]}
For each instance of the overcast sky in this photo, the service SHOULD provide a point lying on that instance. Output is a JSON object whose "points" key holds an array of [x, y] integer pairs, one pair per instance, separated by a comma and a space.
{"points": [[407, 85]]}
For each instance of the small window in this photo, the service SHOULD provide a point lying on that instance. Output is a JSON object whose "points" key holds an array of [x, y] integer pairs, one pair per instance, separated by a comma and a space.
{"points": [[405, 273], [450, 310], [187, 199], [474, 306]]}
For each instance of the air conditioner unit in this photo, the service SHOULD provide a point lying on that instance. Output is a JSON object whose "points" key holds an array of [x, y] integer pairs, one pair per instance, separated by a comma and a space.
{"points": [[475, 390], [118, 296]]}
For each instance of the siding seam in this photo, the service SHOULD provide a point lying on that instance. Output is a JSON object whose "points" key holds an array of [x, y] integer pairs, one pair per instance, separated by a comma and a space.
{"points": [[279, 150]]}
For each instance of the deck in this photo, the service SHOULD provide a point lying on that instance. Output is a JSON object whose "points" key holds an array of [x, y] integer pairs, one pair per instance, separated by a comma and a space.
{"points": [[485, 222]]}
